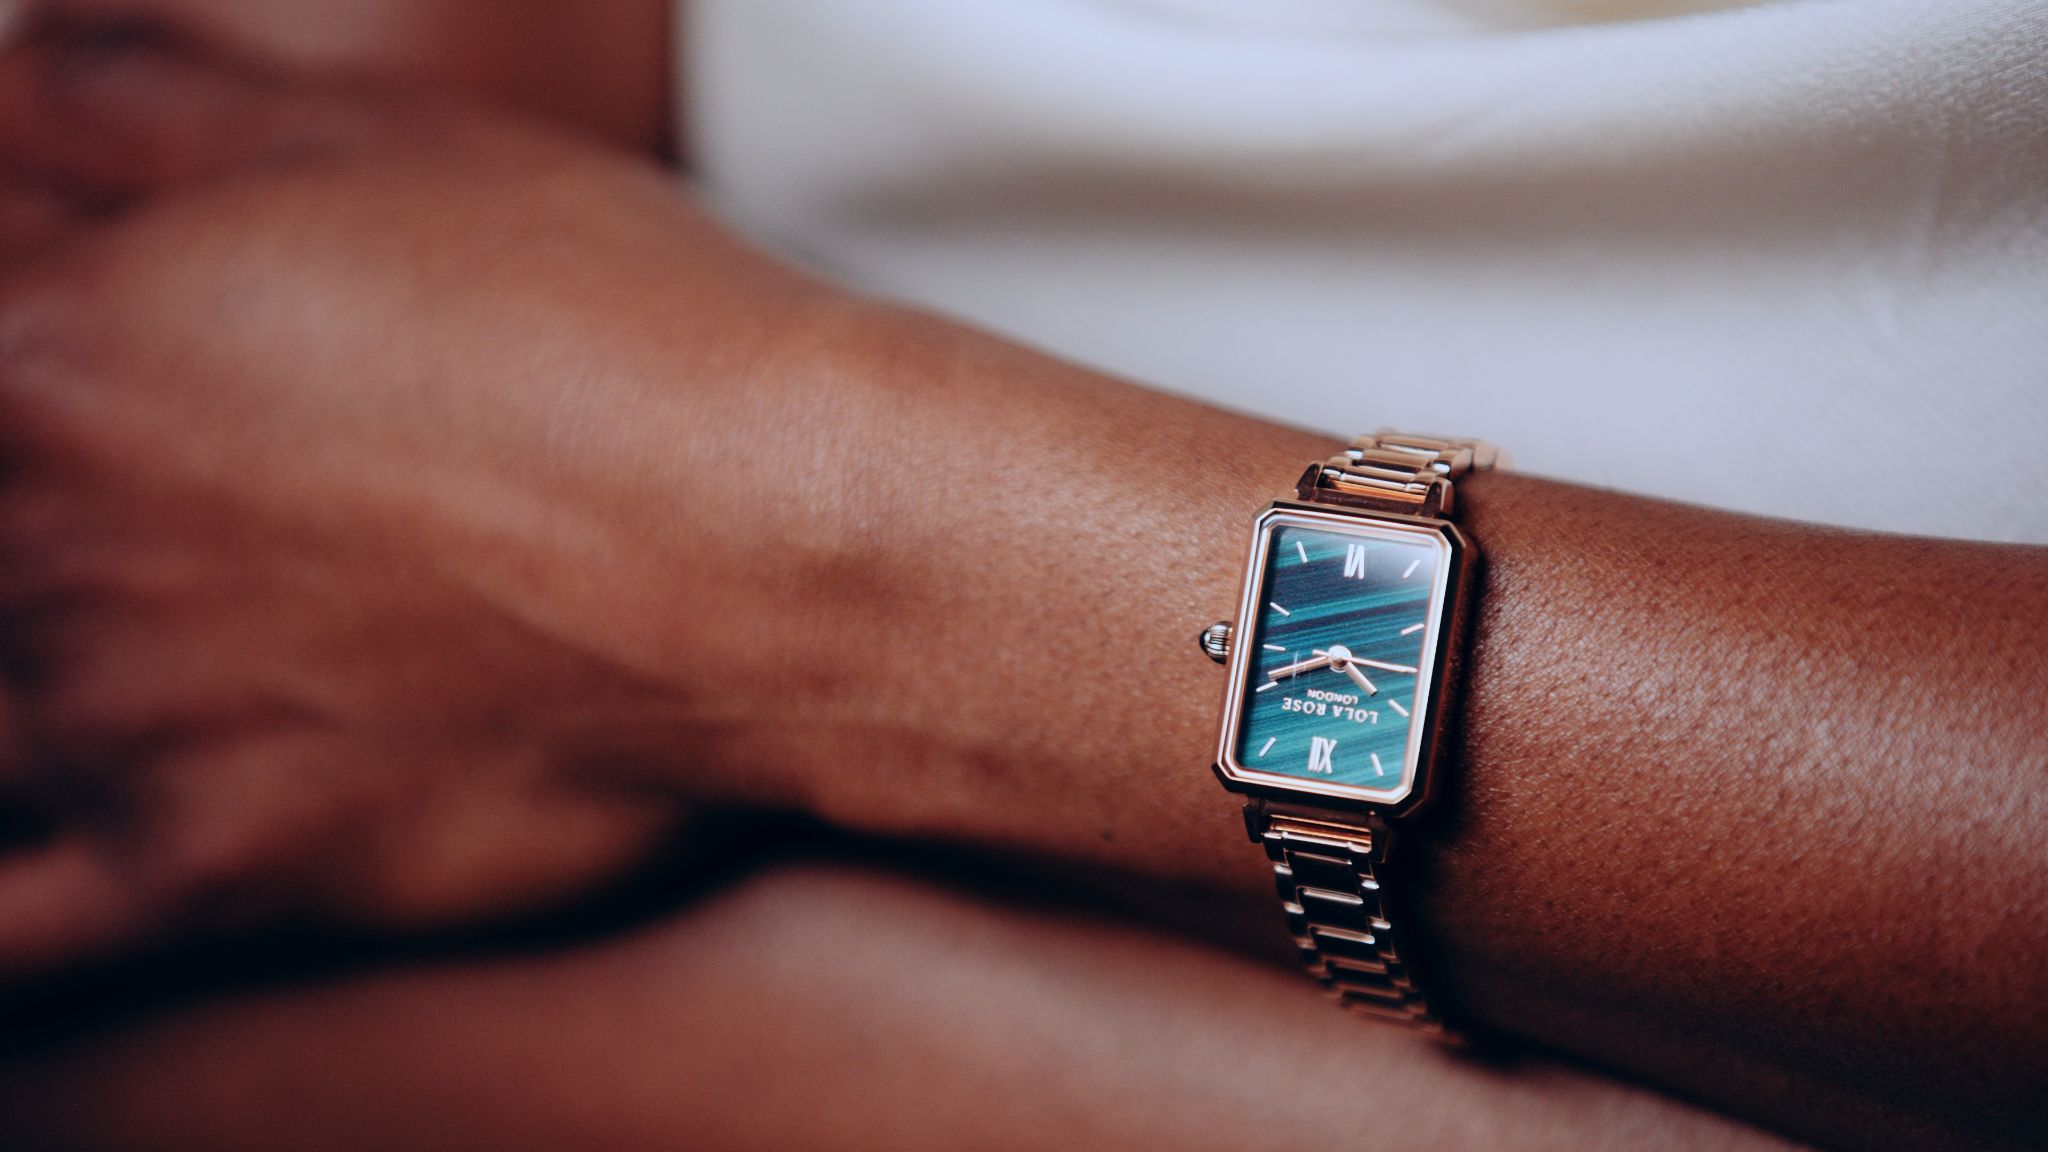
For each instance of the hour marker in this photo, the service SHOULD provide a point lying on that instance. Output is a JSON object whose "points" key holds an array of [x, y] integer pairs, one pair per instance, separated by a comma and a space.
{"points": [[1412, 566], [1303, 549], [1272, 647], [1277, 608], [1320, 752], [1354, 561], [1269, 745], [1414, 628], [1377, 770], [1267, 685], [1397, 706]]}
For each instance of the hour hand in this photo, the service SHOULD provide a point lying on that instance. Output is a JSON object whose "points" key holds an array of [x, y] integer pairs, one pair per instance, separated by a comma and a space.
{"points": [[1359, 679]]}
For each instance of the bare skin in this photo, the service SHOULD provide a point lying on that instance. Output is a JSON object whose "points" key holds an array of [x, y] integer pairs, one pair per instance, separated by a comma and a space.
{"points": [[514, 504], [601, 69], [821, 1010]]}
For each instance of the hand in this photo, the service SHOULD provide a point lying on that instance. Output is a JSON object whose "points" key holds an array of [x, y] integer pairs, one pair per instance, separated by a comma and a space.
{"points": [[314, 485], [406, 509]]}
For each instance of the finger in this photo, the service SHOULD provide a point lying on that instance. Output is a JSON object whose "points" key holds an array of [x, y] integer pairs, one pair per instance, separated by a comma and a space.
{"points": [[114, 115], [198, 840], [67, 899]]}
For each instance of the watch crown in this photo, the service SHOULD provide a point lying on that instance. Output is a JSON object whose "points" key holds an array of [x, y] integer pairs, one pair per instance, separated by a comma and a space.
{"points": [[1215, 641]]}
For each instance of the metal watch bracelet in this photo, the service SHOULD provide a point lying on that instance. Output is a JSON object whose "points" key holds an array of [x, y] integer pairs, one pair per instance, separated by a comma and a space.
{"points": [[1327, 863]]}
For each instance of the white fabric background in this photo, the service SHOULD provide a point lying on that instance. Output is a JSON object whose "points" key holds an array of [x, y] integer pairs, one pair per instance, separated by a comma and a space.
{"points": [[1788, 257]]}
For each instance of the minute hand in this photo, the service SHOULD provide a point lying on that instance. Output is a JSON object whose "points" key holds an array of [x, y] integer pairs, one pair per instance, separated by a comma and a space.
{"points": [[1311, 665], [1341, 655]]}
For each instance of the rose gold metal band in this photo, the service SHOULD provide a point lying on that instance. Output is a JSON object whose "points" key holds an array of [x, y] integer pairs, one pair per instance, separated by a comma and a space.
{"points": [[1397, 472], [1327, 863], [1327, 873]]}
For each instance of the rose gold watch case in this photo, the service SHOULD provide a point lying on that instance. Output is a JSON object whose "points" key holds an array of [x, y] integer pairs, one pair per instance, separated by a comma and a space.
{"points": [[1445, 634]]}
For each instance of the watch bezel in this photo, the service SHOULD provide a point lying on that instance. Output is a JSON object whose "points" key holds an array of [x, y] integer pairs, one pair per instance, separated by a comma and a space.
{"points": [[1440, 643]]}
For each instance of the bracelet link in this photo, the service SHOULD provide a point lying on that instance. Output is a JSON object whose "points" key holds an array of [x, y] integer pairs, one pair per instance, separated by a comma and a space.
{"points": [[1398, 472], [1325, 870]]}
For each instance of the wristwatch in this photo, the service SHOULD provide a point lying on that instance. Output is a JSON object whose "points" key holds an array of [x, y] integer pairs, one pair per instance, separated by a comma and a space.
{"points": [[1341, 660]]}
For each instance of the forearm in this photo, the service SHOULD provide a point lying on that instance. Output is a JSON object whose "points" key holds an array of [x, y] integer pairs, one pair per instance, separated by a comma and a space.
{"points": [[753, 1021], [1739, 801], [1746, 807]]}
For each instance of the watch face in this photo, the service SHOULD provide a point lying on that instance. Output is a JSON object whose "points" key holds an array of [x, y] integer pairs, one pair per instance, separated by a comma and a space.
{"points": [[1337, 678]]}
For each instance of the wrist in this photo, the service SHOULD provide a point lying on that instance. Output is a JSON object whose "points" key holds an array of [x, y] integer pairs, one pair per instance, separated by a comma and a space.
{"points": [[917, 580], [1007, 549], [650, 525]]}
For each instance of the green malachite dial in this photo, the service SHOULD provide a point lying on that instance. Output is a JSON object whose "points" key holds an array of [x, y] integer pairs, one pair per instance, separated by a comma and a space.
{"points": [[1339, 648]]}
